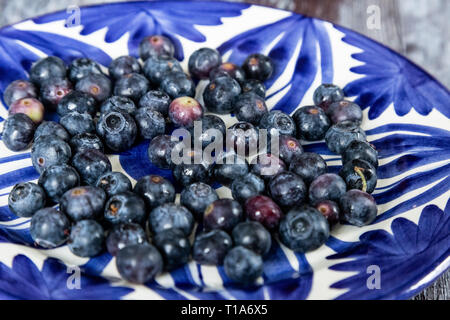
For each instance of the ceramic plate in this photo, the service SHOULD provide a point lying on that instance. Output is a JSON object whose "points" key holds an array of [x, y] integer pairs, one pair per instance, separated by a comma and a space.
{"points": [[406, 116]]}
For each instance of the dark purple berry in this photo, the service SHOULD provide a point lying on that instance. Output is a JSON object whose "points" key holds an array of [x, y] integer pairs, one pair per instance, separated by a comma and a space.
{"points": [[19, 89], [258, 66], [210, 248], [48, 151], [256, 86], [326, 94], [154, 46], [263, 210], [360, 150], [160, 151], [345, 111], [53, 90], [171, 216], [328, 186], [202, 61], [329, 209], [358, 208], [308, 166], [287, 189], [222, 214]]}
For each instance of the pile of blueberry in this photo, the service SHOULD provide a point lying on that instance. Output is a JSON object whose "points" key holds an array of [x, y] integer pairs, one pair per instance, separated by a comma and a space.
{"points": [[79, 199]]}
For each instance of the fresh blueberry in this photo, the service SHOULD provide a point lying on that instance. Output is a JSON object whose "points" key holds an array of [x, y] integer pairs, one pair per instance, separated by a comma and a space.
{"points": [[360, 150], [156, 68], [49, 228], [358, 208], [118, 103], [210, 248], [160, 151], [32, 107], [212, 129], [359, 174], [267, 165], [326, 94], [139, 263], [53, 129], [47, 68], [125, 207], [228, 69], [250, 107], [258, 66], [328, 186], [190, 170], [78, 123], [86, 238], [287, 189], [57, 179], [77, 101], [243, 265], [81, 67], [246, 187], [48, 151], [82, 203], [183, 111], [91, 164], [178, 84], [197, 197], [222, 214], [118, 130], [289, 147], [53, 90], [26, 198], [230, 166], [132, 85], [263, 210], [252, 235], [256, 86], [202, 61], [345, 111], [174, 247], [312, 123], [171, 216], [156, 100], [123, 65], [340, 135], [113, 183], [155, 190], [243, 137], [83, 141], [154, 46], [308, 166], [220, 95], [277, 121], [97, 85], [329, 209], [18, 131], [123, 235], [304, 229], [19, 89]]}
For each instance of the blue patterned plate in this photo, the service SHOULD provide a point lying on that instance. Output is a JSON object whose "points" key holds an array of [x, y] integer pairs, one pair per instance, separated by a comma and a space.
{"points": [[406, 116]]}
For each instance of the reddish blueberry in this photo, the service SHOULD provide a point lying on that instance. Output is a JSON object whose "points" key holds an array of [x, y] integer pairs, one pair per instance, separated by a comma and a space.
{"points": [[329, 209], [32, 107], [183, 111], [53, 90]]}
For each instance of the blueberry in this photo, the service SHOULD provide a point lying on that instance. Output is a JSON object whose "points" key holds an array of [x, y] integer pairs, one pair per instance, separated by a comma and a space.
{"points": [[91, 164], [156, 100], [123, 235], [53, 90], [263, 210], [123, 65], [48, 151], [118, 130], [183, 111], [174, 247], [113, 183], [220, 95], [97, 85], [160, 151], [250, 107], [289, 148], [345, 111], [228, 69], [304, 229], [229, 166], [78, 123], [267, 165], [210, 248], [82, 203], [26, 198], [132, 85], [47, 68], [18, 132], [197, 196], [83, 141], [49, 228], [77, 101], [252, 235], [125, 207], [328, 186], [190, 170], [81, 67], [359, 174], [243, 138], [329, 209], [118, 103], [178, 84], [155, 190], [287, 189], [248, 186], [308, 166], [258, 66], [57, 179], [243, 265], [154, 46], [358, 208], [171, 216], [156, 68], [326, 94], [340, 135], [222, 214], [139, 263], [212, 128], [51, 128], [312, 123], [32, 107], [278, 122], [19, 89], [253, 85], [360, 150], [86, 238], [202, 61]]}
